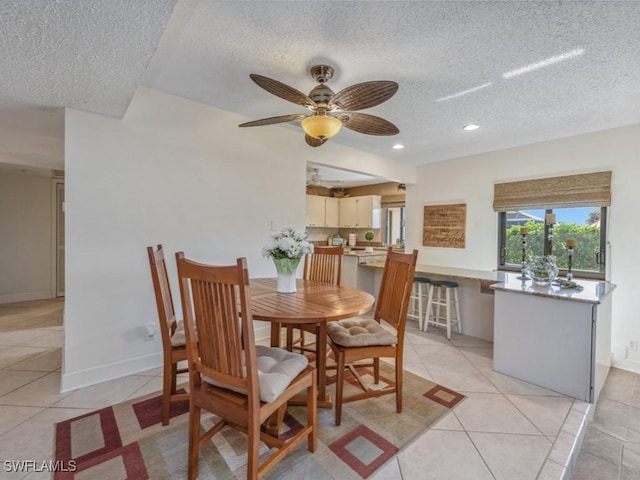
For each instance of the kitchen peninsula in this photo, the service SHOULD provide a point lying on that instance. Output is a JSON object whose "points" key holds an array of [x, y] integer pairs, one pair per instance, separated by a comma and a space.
{"points": [[557, 338], [355, 277], [554, 337]]}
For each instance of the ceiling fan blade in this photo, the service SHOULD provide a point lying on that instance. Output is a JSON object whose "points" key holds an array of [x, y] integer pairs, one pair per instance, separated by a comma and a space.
{"points": [[314, 142], [272, 120], [368, 124], [363, 95], [283, 91]]}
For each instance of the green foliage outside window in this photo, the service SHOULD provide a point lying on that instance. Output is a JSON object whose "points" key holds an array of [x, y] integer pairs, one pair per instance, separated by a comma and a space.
{"points": [[584, 255]]}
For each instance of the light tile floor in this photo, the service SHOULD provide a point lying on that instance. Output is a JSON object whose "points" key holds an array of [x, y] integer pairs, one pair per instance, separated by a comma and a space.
{"points": [[504, 429]]}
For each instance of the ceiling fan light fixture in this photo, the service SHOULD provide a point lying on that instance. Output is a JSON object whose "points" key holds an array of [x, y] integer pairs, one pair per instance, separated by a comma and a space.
{"points": [[321, 126]]}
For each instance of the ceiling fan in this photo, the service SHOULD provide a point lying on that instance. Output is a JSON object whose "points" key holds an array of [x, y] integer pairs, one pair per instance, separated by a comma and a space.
{"points": [[330, 111], [317, 180]]}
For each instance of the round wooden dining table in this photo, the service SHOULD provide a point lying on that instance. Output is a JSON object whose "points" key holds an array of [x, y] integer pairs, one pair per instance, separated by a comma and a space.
{"points": [[312, 303]]}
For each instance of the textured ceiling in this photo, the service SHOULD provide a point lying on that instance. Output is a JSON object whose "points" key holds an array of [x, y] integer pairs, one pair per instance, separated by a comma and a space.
{"points": [[91, 55], [85, 54]]}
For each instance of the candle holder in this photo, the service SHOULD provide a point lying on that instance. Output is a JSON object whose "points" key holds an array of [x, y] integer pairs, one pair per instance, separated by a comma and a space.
{"points": [[523, 274], [550, 221], [569, 272]]}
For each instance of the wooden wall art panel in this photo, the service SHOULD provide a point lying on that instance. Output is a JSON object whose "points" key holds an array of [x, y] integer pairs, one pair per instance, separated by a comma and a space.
{"points": [[444, 226]]}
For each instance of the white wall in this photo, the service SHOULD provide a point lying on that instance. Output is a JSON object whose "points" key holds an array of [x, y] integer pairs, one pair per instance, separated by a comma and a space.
{"points": [[25, 237], [173, 172], [471, 179]]}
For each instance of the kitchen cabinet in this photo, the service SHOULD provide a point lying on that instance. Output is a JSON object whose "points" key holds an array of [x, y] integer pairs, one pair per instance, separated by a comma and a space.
{"points": [[360, 212], [322, 211], [348, 212], [332, 212]]}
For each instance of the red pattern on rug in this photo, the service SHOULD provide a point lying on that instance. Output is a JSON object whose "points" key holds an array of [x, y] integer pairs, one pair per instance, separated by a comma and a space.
{"points": [[341, 448], [149, 412]]}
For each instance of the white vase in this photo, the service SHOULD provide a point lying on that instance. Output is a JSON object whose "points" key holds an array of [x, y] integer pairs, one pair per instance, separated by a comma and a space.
{"points": [[286, 283], [286, 268]]}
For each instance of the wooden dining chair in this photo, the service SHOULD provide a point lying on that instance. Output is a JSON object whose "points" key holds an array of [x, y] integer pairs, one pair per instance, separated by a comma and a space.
{"points": [[323, 265], [357, 339], [241, 383], [174, 348]]}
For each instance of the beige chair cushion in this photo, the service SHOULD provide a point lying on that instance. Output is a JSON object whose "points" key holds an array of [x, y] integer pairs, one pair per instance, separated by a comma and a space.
{"points": [[359, 332], [178, 339], [276, 369]]}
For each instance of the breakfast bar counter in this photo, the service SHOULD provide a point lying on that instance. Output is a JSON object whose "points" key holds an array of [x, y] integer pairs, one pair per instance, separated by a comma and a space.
{"points": [[489, 276], [476, 298]]}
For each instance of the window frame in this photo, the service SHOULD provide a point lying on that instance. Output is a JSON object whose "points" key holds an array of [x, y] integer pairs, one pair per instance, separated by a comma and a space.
{"points": [[589, 274]]}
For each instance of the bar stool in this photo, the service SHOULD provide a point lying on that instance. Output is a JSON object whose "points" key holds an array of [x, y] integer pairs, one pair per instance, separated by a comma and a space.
{"points": [[436, 301], [418, 294]]}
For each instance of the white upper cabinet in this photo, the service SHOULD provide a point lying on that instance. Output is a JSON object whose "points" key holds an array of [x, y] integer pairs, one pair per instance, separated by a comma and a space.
{"points": [[315, 211], [350, 212], [322, 211], [368, 211], [360, 212], [332, 212]]}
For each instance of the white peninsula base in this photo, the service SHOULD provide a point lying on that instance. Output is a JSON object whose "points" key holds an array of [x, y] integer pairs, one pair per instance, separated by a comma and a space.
{"points": [[557, 339]]}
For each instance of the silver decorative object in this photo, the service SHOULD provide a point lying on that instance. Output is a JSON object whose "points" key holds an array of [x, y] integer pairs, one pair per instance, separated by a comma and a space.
{"points": [[542, 269]]}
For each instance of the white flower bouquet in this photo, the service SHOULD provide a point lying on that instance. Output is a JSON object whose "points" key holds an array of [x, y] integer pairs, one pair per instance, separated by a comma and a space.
{"points": [[288, 243], [286, 249]]}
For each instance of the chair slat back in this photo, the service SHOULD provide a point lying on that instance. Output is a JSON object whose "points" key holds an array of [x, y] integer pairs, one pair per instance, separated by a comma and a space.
{"points": [[395, 289], [218, 322], [324, 265], [162, 290]]}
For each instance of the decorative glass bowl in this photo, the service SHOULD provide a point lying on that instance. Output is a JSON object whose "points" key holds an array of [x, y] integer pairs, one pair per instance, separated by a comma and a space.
{"points": [[542, 269]]}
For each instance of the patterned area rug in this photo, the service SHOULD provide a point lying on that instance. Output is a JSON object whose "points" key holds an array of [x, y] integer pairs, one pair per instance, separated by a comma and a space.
{"points": [[127, 441]]}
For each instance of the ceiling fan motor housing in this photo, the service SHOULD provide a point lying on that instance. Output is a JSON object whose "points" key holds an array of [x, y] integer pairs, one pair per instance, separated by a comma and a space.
{"points": [[322, 73], [321, 94]]}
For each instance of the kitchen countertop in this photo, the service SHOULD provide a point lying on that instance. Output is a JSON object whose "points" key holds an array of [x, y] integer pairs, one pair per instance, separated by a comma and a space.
{"points": [[592, 291], [454, 272], [377, 251]]}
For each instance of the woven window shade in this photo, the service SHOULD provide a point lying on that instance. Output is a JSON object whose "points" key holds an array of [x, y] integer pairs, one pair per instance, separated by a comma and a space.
{"points": [[590, 189], [391, 201]]}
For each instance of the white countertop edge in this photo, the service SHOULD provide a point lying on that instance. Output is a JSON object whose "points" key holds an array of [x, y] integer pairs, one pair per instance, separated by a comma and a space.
{"points": [[592, 292]]}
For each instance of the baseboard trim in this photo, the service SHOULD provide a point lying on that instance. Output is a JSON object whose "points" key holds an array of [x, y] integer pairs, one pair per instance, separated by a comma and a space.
{"points": [[628, 364], [262, 333], [25, 297], [111, 371]]}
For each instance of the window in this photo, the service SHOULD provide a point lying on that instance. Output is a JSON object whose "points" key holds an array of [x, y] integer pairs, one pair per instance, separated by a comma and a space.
{"points": [[587, 225], [394, 225]]}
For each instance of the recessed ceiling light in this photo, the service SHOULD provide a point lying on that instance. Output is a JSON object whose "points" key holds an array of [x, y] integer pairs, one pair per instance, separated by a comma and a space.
{"points": [[471, 127], [398, 146]]}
